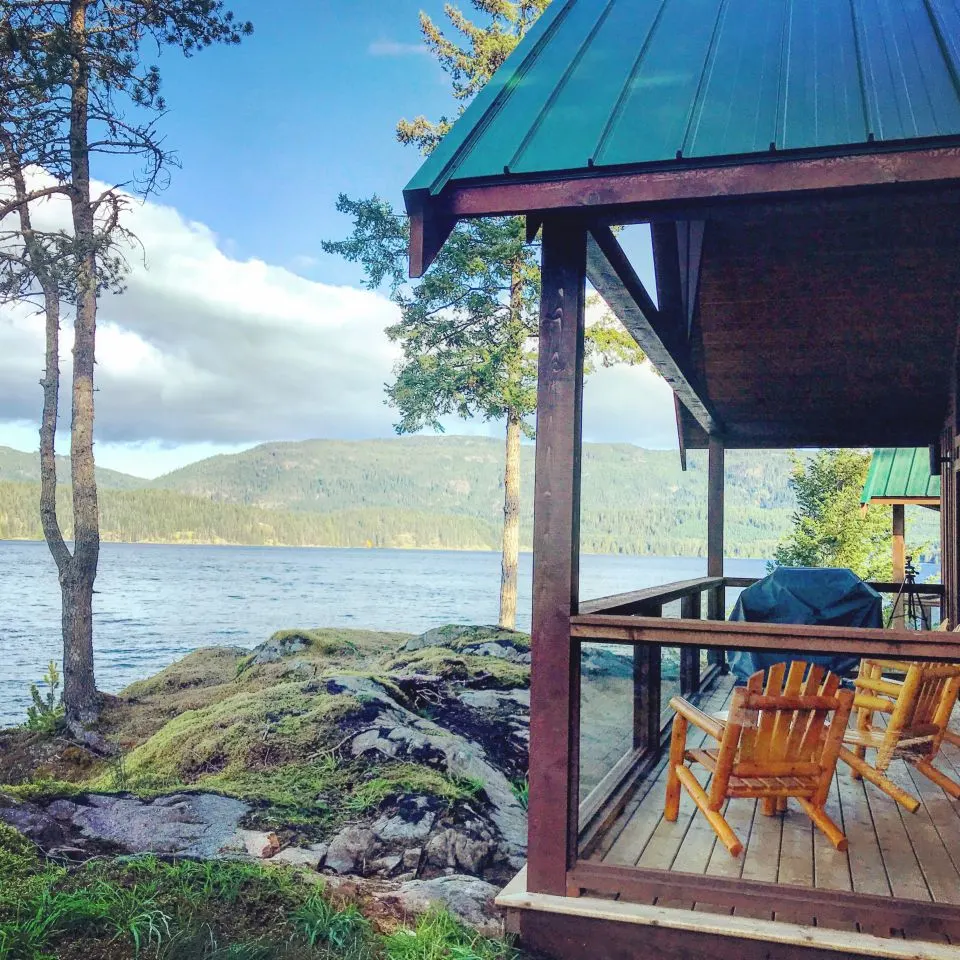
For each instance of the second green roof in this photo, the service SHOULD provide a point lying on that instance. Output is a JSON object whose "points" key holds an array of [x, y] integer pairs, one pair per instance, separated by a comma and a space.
{"points": [[614, 83], [901, 474]]}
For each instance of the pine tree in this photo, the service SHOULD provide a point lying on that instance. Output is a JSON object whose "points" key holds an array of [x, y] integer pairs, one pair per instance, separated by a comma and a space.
{"points": [[829, 528], [468, 329], [74, 87]]}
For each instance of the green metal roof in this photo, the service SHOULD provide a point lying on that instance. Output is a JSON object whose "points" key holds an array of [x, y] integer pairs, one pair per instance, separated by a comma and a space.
{"points": [[614, 83], [900, 474]]}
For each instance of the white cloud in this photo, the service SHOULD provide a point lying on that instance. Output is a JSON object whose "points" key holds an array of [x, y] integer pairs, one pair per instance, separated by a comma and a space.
{"points": [[205, 352], [629, 405], [392, 48], [206, 348]]}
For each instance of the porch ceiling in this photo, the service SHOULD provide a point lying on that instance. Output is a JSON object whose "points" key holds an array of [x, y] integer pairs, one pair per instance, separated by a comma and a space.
{"points": [[827, 324]]}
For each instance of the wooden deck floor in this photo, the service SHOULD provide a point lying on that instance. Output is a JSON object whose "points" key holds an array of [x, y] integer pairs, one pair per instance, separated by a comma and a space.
{"points": [[892, 853]]}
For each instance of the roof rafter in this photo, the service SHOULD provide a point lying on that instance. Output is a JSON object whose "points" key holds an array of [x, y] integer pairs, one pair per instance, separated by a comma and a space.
{"points": [[658, 333]]}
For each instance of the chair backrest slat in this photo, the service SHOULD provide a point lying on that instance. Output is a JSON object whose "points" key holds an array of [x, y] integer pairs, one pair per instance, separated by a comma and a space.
{"points": [[920, 705], [783, 728]]}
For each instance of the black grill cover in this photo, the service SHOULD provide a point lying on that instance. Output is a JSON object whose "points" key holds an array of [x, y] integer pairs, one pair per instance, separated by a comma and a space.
{"points": [[832, 596]]}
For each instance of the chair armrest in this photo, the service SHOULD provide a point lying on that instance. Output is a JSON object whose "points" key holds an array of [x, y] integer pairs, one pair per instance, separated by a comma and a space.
{"points": [[709, 725]]}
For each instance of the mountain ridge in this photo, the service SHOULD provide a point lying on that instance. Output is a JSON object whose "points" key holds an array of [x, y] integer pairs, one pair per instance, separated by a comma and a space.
{"points": [[434, 492]]}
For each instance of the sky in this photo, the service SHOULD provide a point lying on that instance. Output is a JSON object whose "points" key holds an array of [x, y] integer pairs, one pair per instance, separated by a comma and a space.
{"points": [[236, 328]]}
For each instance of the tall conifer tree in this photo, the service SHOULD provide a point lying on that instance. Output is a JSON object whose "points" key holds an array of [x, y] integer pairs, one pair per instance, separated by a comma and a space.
{"points": [[468, 329]]}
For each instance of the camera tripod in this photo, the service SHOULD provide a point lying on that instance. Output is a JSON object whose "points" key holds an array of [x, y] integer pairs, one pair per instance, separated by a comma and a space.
{"points": [[909, 595]]}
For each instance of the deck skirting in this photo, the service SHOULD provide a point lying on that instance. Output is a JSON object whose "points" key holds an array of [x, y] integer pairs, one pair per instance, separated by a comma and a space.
{"points": [[578, 927]]}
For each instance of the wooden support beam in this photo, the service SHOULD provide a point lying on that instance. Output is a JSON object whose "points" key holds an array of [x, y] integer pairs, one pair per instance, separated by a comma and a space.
{"points": [[690, 609], [646, 692], [555, 672], [690, 249], [428, 234], [784, 638], [715, 502], [660, 334], [653, 188], [681, 433]]}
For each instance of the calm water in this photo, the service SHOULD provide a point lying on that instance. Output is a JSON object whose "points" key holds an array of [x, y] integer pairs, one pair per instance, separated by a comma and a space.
{"points": [[156, 603]]}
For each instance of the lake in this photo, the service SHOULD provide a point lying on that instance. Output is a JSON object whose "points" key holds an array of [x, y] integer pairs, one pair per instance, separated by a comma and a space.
{"points": [[156, 603]]}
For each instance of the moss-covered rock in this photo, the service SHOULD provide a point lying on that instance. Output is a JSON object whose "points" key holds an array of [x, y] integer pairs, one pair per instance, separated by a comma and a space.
{"points": [[266, 743], [477, 672], [471, 639]]}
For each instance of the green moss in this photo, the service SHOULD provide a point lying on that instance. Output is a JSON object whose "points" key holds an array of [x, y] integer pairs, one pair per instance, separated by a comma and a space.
{"points": [[459, 636], [211, 666], [252, 730], [43, 789], [409, 778], [483, 672], [323, 642]]}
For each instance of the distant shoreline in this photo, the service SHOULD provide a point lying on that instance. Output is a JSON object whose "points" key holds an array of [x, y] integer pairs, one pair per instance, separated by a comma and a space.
{"points": [[398, 549]]}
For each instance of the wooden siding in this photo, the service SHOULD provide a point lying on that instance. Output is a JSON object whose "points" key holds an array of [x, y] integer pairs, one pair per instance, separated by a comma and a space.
{"points": [[829, 324]]}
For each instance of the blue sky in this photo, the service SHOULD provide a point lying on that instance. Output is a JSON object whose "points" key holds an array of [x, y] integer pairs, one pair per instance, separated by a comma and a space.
{"points": [[302, 111], [236, 328]]}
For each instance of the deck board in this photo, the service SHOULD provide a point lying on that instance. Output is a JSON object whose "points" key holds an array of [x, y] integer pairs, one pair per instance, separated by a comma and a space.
{"points": [[892, 853]]}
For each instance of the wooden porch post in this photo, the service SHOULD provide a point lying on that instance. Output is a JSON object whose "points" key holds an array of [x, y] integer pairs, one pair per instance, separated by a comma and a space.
{"points": [[715, 604], [555, 676], [716, 599], [899, 558]]}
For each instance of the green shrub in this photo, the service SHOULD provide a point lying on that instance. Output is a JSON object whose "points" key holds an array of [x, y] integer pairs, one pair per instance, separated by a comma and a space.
{"points": [[46, 714]]}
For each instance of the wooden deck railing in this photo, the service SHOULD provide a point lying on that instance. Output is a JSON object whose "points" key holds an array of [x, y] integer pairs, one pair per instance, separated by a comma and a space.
{"points": [[650, 720], [637, 619]]}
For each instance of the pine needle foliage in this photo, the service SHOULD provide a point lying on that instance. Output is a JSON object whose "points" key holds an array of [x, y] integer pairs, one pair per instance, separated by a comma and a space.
{"points": [[829, 527], [468, 329]]}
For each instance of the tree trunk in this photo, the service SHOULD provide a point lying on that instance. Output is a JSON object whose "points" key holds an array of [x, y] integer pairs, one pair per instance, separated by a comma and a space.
{"points": [[79, 689], [511, 525]]}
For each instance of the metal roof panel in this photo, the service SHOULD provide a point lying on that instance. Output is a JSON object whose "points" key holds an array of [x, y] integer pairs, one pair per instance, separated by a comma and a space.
{"points": [[900, 474], [623, 83]]}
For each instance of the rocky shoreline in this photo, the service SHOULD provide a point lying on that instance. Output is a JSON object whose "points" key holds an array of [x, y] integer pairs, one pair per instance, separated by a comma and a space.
{"points": [[434, 728]]}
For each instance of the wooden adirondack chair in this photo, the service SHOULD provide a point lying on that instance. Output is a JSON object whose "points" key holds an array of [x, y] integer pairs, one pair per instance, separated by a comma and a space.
{"points": [[917, 709], [777, 742]]}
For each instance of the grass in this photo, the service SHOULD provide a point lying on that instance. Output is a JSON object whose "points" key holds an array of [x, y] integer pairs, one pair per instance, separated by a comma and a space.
{"points": [[521, 790], [438, 936], [143, 907], [345, 930]]}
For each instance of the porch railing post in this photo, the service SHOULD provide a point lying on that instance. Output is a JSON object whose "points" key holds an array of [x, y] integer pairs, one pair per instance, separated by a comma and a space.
{"points": [[716, 599], [555, 674], [646, 691], [690, 609]]}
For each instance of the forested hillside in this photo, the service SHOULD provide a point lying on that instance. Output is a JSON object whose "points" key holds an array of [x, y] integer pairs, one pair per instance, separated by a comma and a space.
{"points": [[20, 467], [431, 492]]}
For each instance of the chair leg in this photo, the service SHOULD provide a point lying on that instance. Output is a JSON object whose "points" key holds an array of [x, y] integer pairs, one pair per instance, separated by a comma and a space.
{"points": [[861, 754], [781, 804], [768, 806], [952, 737], [819, 816], [940, 779], [678, 744], [723, 830], [878, 779]]}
